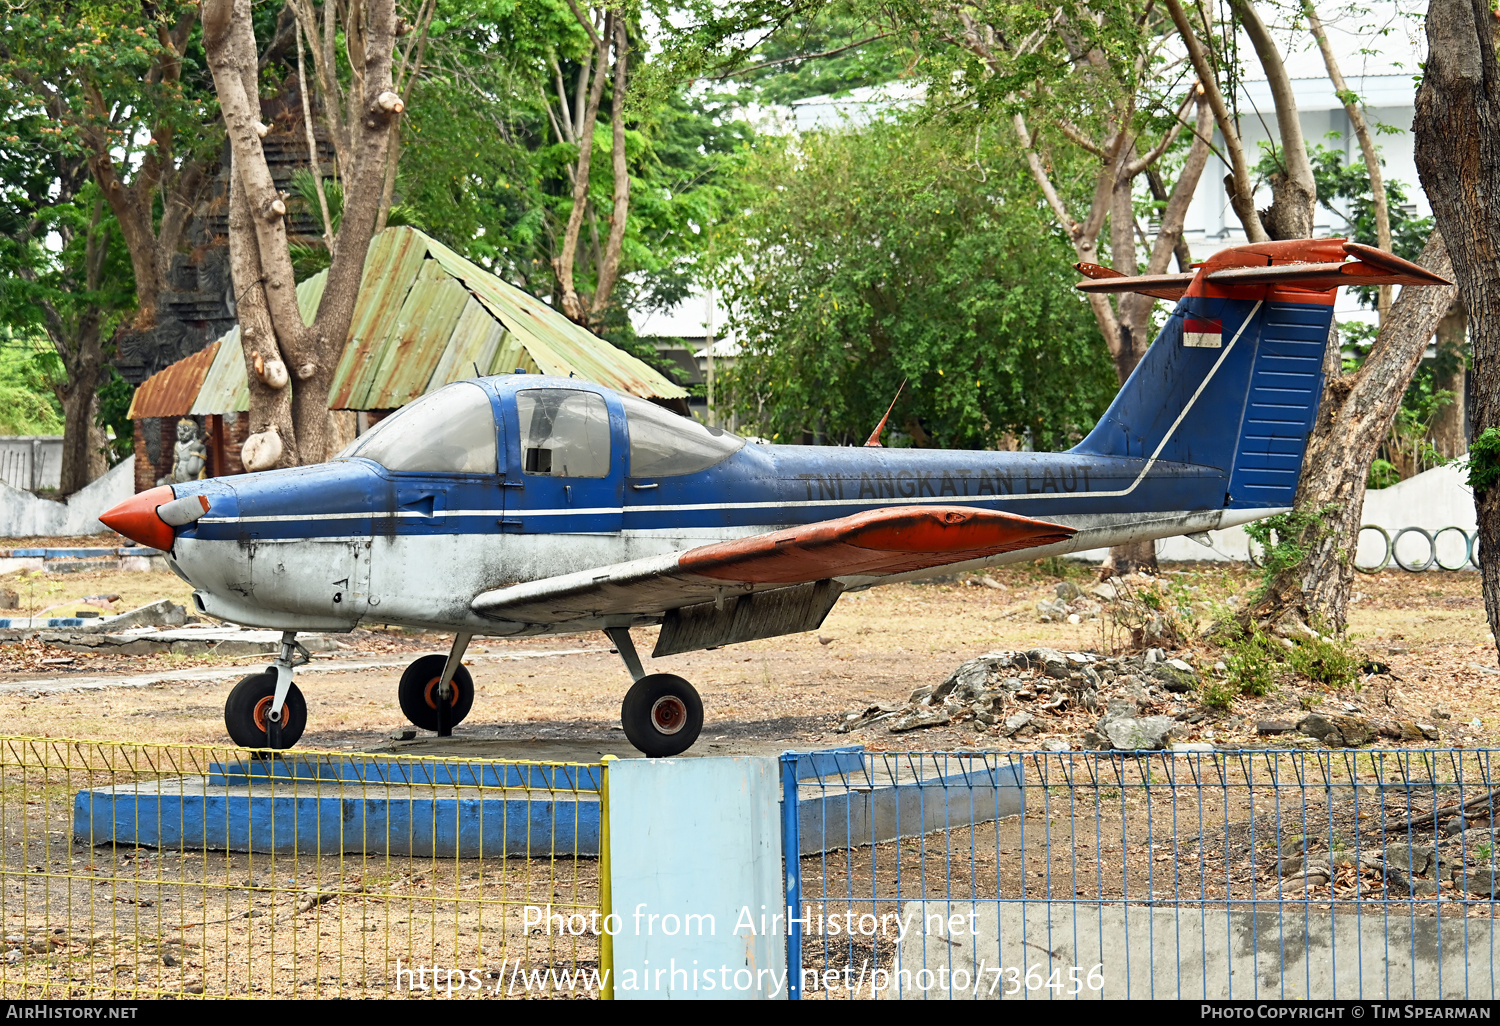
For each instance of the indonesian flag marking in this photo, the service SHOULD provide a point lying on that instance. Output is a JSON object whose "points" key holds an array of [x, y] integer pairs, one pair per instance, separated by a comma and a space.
{"points": [[1202, 334]]}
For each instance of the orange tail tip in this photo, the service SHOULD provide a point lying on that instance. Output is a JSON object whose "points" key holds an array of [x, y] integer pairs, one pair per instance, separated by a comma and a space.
{"points": [[136, 518]]}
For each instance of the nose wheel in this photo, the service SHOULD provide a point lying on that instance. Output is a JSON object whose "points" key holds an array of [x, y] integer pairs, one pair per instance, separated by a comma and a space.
{"points": [[662, 715]]}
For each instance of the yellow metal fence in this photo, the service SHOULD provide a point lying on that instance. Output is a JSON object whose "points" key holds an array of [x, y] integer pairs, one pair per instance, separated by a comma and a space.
{"points": [[135, 870]]}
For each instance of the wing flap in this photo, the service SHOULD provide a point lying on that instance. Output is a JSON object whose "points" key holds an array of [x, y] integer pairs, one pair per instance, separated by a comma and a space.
{"points": [[876, 543]]}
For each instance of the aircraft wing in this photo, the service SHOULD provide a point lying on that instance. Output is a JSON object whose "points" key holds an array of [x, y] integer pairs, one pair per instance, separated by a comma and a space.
{"points": [[776, 583]]}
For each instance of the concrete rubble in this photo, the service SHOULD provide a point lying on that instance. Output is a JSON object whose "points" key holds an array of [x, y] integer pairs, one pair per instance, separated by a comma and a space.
{"points": [[1410, 868], [159, 627], [1016, 694], [1144, 702]]}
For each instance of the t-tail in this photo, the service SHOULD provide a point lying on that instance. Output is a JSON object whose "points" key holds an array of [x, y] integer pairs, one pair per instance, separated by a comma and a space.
{"points": [[1233, 379]]}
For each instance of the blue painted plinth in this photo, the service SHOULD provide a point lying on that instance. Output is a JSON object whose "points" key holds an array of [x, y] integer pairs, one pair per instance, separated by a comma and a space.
{"points": [[313, 816]]}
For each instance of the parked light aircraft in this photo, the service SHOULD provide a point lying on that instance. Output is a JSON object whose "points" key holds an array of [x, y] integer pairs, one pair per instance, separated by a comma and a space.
{"points": [[527, 505]]}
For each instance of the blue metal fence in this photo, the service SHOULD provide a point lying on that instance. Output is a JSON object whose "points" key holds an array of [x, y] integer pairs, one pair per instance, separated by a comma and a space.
{"points": [[1074, 875]]}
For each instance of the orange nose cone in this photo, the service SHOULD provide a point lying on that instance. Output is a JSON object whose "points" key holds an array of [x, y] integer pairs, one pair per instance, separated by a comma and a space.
{"points": [[136, 518]]}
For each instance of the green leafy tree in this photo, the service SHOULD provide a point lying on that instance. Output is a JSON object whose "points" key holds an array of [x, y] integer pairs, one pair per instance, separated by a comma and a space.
{"points": [[490, 166], [65, 276], [112, 92], [900, 254]]}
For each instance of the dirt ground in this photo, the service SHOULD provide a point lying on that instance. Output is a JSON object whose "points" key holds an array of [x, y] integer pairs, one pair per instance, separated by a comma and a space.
{"points": [[125, 921], [875, 647]]}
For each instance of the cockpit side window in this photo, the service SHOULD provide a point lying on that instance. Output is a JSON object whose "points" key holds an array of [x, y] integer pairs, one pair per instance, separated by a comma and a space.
{"points": [[664, 444], [450, 431], [564, 432]]}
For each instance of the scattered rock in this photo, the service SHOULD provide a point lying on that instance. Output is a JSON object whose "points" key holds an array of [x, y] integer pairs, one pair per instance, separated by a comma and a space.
{"points": [[1175, 675], [1414, 860], [1052, 610], [1338, 731], [1269, 727], [9, 599], [1485, 884], [1067, 591], [1017, 723], [919, 718], [1126, 730], [1105, 592]]}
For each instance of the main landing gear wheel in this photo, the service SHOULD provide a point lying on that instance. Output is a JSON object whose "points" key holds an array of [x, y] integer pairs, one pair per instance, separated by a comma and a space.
{"points": [[662, 715], [247, 712], [418, 692]]}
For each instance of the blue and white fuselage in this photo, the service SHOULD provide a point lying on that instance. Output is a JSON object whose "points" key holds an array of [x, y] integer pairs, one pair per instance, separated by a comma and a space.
{"points": [[330, 546]]}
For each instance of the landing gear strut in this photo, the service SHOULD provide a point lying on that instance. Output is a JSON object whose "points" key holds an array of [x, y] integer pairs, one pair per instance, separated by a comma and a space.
{"points": [[437, 692], [266, 710], [662, 713]]}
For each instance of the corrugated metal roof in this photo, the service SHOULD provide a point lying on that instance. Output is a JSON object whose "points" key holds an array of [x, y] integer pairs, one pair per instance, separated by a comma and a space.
{"points": [[170, 391], [425, 317]]}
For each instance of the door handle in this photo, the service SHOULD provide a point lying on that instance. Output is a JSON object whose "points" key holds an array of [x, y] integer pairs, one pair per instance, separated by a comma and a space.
{"points": [[646, 487]]}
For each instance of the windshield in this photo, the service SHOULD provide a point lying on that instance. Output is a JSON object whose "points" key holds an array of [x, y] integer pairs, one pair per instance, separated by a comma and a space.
{"points": [[664, 444], [450, 431]]}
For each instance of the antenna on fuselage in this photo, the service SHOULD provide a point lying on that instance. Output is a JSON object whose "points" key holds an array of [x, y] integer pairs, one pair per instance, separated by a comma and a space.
{"points": [[874, 440]]}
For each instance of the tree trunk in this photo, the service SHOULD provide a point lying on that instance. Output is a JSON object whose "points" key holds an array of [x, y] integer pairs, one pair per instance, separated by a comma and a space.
{"points": [[270, 407], [1457, 128], [1448, 436], [1354, 416], [279, 346], [78, 398]]}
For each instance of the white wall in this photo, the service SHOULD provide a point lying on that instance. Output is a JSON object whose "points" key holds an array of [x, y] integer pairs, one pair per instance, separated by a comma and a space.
{"points": [[31, 461], [23, 515]]}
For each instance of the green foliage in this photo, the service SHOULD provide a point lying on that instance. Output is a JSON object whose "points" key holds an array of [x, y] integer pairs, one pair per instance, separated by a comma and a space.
{"points": [[903, 253], [484, 168], [1484, 460], [1286, 539], [28, 400], [1218, 692], [1383, 474], [115, 394], [1332, 663], [819, 30], [1251, 662]]}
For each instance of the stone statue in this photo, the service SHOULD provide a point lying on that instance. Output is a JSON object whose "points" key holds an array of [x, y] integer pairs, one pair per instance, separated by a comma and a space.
{"points": [[190, 455]]}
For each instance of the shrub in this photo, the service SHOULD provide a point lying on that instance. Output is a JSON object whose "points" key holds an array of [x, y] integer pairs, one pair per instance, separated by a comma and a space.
{"points": [[1331, 663], [1252, 660]]}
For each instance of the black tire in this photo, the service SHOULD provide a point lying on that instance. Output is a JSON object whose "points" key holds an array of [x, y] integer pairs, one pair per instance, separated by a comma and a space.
{"points": [[418, 692], [247, 705], [662, 715]]}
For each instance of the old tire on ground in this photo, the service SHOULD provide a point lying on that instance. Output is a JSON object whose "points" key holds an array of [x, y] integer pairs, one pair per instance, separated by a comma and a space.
{"points": [[662, 715], [246, 708], [418, 692]]}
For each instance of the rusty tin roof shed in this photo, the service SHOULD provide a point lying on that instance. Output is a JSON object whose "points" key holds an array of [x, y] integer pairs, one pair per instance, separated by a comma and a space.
{"points": [[425, 316]]}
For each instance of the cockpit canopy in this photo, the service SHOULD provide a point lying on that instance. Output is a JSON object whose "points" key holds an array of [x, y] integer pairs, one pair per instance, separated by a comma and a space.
{"points": [[564, 432], [450, 431], [663, 444]]}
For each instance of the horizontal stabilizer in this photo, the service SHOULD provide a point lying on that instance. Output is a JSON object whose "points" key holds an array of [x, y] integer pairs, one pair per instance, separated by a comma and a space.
{"points": [[1274, 263]]}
